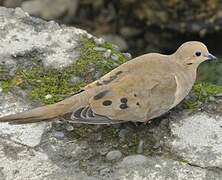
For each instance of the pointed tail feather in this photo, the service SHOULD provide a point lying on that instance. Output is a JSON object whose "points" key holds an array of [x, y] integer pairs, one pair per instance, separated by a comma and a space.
{"points": [[46, 113]]}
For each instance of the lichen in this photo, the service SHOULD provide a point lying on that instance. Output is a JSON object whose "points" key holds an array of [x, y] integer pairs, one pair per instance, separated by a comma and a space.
{"points": [[39, 81]]}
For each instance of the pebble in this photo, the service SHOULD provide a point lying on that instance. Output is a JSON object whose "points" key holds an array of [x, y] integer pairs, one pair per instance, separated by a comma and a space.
{"points": [[48, 96], [107, 54], [133, 160], [113, 155], [212, 99], [128, 56], [69, 127], [104, 171], [99, 41], [212, 107], [204, 93], [117, 41], [114, 57], [122, 134], [75, 79], [100, 49], [140, 147], [59, 135], [219, 95]]}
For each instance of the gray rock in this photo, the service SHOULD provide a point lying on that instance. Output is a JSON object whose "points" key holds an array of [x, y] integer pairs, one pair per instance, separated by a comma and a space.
{"points": [[197, 139], [99, 41], [75, 79], [133, 160], [219, 95], [117, 40], [51, 9], [30, 134], [122, 134], [113, 155], [69, 127], [212, 99], [140, 147], [128, 55], [114, 57], [52, 42], [59, 135], [161, 169], [20, 162], [107, 54], [100, 49], [12, 3]]}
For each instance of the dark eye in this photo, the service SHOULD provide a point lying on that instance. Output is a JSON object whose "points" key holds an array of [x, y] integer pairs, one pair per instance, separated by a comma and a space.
{"points": [[198, 53]]}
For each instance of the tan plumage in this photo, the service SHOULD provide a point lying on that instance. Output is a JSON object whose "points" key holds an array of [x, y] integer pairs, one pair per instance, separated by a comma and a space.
{"points": [[141, 89]]}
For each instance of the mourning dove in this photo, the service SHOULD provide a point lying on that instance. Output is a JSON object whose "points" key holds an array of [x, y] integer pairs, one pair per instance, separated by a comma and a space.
{"points": [[138, 90]]}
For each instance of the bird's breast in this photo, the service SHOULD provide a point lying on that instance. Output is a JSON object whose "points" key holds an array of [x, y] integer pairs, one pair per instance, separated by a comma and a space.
{"points": [[184, 83]]}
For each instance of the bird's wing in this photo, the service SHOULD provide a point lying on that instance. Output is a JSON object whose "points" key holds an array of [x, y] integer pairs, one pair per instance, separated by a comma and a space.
{"points": [[128, 99]]}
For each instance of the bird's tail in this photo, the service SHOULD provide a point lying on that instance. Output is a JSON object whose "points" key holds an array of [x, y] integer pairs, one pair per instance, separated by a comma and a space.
{"points": [[48, 112]]}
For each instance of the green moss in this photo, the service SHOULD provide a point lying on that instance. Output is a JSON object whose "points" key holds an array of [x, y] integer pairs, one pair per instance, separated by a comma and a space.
{"points": [[39, 81], [202, 92]]}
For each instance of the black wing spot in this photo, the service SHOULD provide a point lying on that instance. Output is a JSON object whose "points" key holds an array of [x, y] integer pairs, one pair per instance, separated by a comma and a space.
{"points": [[99, 83], [135, 95], [110, 80], [123, 100], [138, 104], [119, 72], [123, 106], [107, 103], [100, 95]]}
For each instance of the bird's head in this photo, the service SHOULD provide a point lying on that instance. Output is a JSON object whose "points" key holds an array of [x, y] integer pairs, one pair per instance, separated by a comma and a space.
{"points": [[193, 53]]}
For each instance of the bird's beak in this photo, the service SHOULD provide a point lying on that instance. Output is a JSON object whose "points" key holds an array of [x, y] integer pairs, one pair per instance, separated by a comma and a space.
{"points": [[210, 57]]}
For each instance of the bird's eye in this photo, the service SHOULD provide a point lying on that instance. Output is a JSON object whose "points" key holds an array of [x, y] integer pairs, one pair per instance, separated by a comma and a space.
{"points": [[198, 53]]}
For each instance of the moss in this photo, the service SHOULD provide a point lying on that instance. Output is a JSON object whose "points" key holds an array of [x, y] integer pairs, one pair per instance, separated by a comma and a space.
{"points": [[39, 81], [202, 92]]}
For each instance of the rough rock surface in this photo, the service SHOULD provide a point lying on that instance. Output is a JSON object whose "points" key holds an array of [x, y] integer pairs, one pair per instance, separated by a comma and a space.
{"points": [[180, 145]]}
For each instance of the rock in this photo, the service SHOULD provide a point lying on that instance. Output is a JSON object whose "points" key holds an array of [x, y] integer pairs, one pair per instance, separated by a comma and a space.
{"points": [[30, 134], [117, 40], [75, 79], [12, 3], [100, 49], [212, 99], [99, 41], [197, 139], [19, 162], [128, 55], [113, 155], [161, 169], [69, 127], [59, 135], [48, 96], [140, 147], [51, 9], [114, 57], [122, 134], [219, 95], [133, 160], [53, 46], [107, 54]]}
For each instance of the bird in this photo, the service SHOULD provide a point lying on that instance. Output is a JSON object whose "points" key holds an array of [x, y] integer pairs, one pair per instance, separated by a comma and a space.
{"points": [[138, 90]]}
